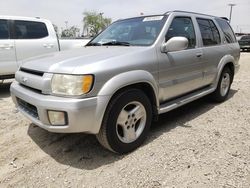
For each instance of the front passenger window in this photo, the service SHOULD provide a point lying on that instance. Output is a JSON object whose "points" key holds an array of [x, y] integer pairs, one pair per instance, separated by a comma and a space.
{"points": [[182, 27]]}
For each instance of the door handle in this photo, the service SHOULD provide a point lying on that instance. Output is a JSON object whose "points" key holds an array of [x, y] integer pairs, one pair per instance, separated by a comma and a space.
{"points": [[199, 54], [6, 47], [48, 45]]}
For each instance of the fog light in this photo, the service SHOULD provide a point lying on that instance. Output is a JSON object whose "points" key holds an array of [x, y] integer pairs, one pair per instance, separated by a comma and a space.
{"points": [[57, 118]]}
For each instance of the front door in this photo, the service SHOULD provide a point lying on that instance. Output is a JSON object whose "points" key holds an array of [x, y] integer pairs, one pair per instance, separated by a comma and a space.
{"points": [[8, 63], [180, 72]]}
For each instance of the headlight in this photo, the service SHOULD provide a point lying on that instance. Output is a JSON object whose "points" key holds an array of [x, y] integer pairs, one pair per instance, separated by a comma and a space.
{"points": [[71, 84]]}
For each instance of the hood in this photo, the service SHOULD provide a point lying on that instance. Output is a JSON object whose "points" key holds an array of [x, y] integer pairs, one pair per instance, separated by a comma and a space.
{"points": [[68, 61]]}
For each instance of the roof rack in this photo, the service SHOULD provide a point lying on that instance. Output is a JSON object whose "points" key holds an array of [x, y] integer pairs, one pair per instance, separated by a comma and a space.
{"points": [[189, 12]]}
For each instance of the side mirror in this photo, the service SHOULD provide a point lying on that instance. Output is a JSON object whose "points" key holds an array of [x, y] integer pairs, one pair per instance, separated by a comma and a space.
{"points": [[175, 44]]}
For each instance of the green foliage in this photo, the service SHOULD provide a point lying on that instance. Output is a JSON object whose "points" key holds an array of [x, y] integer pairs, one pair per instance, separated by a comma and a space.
{"points": [[72, 32], [94, 22]]}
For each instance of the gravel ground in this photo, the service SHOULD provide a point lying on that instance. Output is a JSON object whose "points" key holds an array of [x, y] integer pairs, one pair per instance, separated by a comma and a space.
{"points": [[199, 145]]}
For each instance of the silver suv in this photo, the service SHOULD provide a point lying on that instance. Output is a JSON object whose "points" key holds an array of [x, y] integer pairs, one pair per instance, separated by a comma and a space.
{"points": [[130, 73]]}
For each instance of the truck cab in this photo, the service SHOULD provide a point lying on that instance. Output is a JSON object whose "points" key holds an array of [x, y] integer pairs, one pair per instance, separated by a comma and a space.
{"points": [[25, 37], [21, 38]]}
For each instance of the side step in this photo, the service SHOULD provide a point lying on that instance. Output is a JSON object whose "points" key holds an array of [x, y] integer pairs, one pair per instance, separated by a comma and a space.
{"points": [[185, 99]]}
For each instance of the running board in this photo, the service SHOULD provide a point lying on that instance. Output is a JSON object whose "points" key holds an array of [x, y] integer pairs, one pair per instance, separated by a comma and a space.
{"points": [[184, 100]]}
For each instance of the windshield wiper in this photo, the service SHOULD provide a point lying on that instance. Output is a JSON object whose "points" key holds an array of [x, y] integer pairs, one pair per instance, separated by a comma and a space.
{"points": [[116, 43], [94, 44]]}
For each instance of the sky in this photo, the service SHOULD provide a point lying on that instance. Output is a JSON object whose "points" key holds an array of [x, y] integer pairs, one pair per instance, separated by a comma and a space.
{"points": [[70, 11]]}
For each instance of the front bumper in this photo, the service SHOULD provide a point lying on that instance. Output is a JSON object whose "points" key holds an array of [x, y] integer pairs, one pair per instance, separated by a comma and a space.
{"points": [[83, 115]]}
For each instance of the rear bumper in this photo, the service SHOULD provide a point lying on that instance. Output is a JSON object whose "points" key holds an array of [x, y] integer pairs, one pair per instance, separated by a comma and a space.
{"points": [[83, 115]]}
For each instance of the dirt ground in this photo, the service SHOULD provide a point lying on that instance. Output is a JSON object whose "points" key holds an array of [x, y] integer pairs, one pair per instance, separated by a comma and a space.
{"points": [[199, 145]]}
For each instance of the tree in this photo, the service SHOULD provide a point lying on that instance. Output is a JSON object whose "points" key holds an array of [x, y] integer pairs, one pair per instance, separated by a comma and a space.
{"points": [[95, 22], [72, 32]]}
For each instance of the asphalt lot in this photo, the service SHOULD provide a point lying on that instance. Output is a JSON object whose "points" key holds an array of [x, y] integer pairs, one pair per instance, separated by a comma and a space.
{"points": [[202, 144]]}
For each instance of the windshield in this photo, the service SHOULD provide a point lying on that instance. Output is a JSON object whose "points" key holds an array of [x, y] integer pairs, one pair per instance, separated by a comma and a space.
{"points": [[142, 31]]}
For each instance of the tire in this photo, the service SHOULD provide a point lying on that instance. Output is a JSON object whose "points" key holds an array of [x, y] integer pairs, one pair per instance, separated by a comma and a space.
{"points": [[126, 122], [224, 85]]}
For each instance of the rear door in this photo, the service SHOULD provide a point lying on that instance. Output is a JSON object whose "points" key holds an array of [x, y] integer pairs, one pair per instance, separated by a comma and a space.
{"points": [[8, 63], [32, 38], [213, 49]]}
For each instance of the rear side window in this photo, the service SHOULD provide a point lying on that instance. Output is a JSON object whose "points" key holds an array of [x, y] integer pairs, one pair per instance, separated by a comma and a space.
{"points": [[209, 32], [227, 30], [4, 29], [30, 30], [182, 27], [245, 37]]}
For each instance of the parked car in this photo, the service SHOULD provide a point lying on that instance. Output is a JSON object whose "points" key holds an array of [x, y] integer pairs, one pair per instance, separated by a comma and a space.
{"points": [[23, 37], [133, 71], [244, 42]]}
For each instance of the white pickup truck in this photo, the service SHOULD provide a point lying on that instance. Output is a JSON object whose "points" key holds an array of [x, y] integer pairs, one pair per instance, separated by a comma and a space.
{"points": [[25, 37]]}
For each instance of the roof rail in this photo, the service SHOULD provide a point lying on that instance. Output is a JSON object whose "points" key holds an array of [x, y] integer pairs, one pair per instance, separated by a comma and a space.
{"points": [[189, 12]]}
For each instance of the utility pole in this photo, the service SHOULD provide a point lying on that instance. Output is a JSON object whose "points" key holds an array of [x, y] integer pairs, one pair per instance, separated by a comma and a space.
{"points": [[66, 24], [102, 25], [231, 11]]}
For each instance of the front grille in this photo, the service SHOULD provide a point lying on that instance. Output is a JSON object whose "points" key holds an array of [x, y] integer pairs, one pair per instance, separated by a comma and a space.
{"points": [[38, 73], [28, 108], [32, 89]]}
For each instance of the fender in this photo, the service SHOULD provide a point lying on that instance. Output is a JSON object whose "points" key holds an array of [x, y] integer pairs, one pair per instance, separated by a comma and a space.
{"points": [[128, 78], [225, 60], [118, 82]]}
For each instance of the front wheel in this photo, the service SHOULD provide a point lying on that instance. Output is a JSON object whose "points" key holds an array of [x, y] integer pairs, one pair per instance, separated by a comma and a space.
{"points": [[223, 87], [126, 121]]}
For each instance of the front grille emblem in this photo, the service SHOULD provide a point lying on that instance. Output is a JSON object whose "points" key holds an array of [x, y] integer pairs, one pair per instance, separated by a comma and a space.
{"points": [[24, 80]]}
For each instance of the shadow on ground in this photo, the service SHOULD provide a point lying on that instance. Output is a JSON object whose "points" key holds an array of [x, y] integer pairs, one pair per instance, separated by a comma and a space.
{"points": [[4, 89], [84, 152]]}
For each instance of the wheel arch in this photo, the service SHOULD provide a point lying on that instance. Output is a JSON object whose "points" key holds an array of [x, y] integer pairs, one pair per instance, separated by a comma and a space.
{"points": [[140, 79], [226, 61]]}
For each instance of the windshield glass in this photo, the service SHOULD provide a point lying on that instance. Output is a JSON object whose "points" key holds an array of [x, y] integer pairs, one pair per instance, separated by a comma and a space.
{"points": [[142, 31]]}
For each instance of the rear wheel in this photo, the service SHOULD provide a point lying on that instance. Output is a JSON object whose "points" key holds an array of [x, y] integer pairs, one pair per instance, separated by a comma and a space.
{"points": [[126, 121], [223, 87]]}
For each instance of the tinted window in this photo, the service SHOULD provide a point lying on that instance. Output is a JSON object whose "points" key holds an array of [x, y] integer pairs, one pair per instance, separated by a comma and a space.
{"points": [[4, 29], [245, 38], [30, 30], [227, 30], [209, 32], [182, 27]]}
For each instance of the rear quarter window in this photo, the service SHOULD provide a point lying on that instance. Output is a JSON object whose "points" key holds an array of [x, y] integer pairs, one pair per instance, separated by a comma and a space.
{"points": [[30, 30], [227, 30]]}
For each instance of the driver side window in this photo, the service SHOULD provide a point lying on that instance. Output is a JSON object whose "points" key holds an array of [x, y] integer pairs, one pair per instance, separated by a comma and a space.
{"points": [[182, 27]]}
